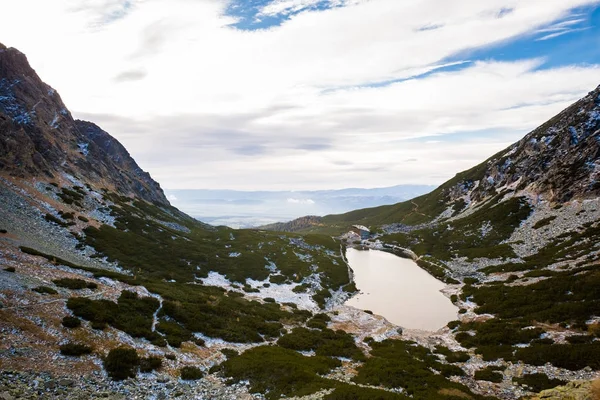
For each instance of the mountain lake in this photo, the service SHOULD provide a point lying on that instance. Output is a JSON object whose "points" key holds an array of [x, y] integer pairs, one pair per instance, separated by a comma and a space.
{"points": [[399, 290]]}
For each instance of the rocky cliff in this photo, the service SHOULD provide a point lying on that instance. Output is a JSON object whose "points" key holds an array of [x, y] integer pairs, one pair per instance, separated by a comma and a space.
{"points": [[40, 138], [559, 161]]}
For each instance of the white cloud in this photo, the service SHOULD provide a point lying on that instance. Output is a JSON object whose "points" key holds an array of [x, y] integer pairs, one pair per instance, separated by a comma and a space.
{"points": [[300, 201], [201, 104]]}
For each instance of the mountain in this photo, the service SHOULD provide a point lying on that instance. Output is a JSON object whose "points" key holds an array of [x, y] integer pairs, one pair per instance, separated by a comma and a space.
{"points": [[41, 138], [106, 290]]}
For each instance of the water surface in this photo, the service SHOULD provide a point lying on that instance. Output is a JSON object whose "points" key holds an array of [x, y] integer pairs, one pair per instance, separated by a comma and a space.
{"points": [[397, 289]]}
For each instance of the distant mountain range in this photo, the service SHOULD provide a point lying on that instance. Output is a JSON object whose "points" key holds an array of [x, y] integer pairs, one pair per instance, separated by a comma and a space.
{"points": [[244, 209]]}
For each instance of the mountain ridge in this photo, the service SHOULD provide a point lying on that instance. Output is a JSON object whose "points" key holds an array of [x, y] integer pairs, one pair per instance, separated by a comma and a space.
{"points": [[40, 137]]}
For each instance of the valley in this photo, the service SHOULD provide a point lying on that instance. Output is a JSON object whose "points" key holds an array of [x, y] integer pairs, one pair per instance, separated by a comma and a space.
{"points": [[108, 291]]}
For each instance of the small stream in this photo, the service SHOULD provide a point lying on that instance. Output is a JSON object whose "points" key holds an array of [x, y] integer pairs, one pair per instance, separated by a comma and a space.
{"points": [[397, 289]]}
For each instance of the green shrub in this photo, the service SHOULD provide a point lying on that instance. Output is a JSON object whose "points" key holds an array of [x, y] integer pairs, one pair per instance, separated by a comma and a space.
{"points": [[538, 382], [44, 290], [75, 284], [452, 356], [75, 349], [3, 231], [149, 364], [229, 353], [404, 364], [543, 222], [53, 219], [65, 215], [82, 218], [122, 363], [353, 392], [132, 314], [489, 374], [325, 342], [10, 269], [171, 357], [71, 322], [277, 371], [453, 324], [569, 356], [269, 300], [174, 333], [191, 373]]}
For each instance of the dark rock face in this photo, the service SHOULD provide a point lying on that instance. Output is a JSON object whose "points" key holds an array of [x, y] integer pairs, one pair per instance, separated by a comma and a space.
{"points": [[558, 161], [40, 138]]}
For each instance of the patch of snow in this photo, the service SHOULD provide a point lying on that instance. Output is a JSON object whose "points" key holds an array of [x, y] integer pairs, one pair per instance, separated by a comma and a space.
{"points": [[234, 254], [303, 257], [574, 135], [216, 279], [83, 148], [282, 293], [271, 266], [51, 92], [512, 151], [54, 123], [485, 229]]}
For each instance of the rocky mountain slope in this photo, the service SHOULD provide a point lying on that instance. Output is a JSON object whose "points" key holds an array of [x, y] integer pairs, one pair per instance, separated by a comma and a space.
{"points": [[107, 291], [41, 138]]}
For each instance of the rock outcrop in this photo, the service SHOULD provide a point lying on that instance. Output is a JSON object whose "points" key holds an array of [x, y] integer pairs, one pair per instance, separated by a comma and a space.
{"points": [[558, 161], [577, 390]]}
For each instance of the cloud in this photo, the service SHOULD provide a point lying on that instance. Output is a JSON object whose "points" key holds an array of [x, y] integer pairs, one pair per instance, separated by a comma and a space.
{"points": [[286, 6], [336, 94], [131, 75], [300, 201], [560, 33]]}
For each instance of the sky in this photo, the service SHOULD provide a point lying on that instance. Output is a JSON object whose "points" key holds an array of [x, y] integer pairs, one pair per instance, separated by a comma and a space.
{"points": [[310, 94]]}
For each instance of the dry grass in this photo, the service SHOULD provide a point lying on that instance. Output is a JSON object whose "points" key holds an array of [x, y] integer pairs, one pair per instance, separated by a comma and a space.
{"points": [[454, 393], [24, 326], [596, 389]]}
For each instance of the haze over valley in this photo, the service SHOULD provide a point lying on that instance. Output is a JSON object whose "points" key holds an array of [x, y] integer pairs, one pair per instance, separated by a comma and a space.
{"points": [[244, 209]]}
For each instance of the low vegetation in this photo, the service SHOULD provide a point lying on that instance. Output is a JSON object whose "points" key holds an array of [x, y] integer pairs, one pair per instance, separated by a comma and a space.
{"points": [[538, 382], [122, 363], [489, 374], [44, 290], [71, 322], [149, 364], [324, 342], [406, 365], [191, 373], [75, 349], [75, 284], [277, 371], [131, 314]]}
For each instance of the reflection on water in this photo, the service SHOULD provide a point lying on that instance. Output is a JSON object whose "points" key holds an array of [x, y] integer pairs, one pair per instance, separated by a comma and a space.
{"points": [[397, 289]]}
